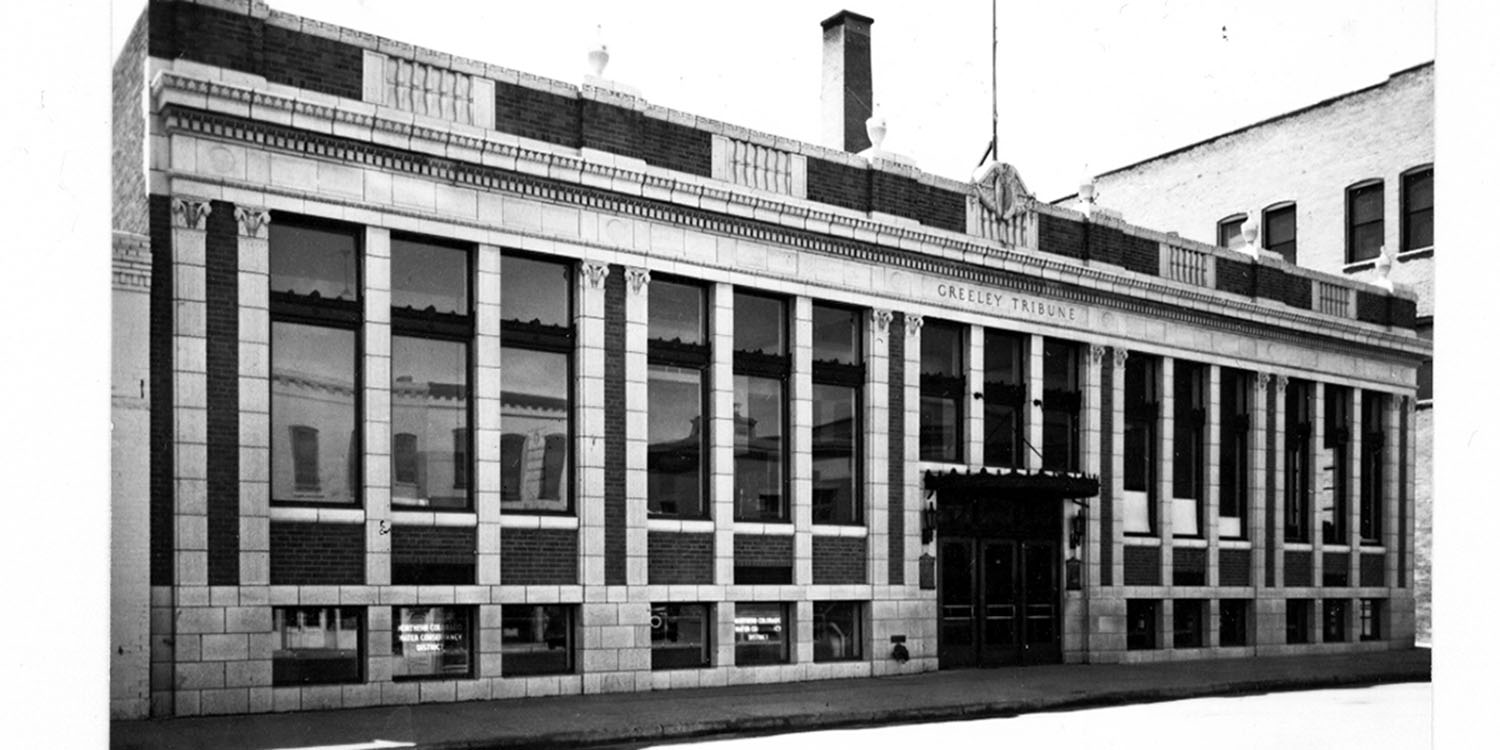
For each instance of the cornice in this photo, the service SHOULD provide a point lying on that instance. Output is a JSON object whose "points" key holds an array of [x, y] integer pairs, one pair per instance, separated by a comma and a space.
{"points": [[495, 161], [131, 262]]}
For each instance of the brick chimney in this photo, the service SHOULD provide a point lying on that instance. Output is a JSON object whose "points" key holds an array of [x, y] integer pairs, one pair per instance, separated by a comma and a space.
{"points": [[847, 89]]}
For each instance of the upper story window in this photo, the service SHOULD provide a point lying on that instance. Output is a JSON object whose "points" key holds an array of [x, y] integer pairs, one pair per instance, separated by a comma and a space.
{"points": [[1372, 476], [315, 319], [1298, 460], [1142, 415], [1189, 446], [1062, 402], [943, 363], [761, 366], [536, 379], [1229, 232], [1416, 209], [1279, 231], [1005, 399], [838, 377], [677, 356], [1365, 221], [431, 332], [1234, 451], [1335, 515]]}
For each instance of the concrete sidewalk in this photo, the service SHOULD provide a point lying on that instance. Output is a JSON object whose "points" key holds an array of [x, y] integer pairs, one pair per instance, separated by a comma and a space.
{"points": [[585, 720]]}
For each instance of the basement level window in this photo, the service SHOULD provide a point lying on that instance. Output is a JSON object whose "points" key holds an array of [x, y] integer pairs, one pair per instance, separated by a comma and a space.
{"points": [[432, 642], [317, 645], [681, 636], [762, 633], [838, 629], [536, 639]]}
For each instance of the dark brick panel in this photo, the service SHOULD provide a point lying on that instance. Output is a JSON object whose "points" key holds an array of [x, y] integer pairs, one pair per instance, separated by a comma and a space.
{"points": [[1371, 569], [614, 426], [1401, 493], [1135, 253], [763, 549], [838, 559], [1371, 307], [679, 558], [240, 42], [1142, 566], [1298, 568], [222, 321], [896, 460], [1235, 277], [1234, 567], [1335, 568], [1270, 282], [1106, 471], [837, 184], [317, 554], [539, 557], [1403, 313], [659, 142], [1297, 291], [160, 343], [1273, 425], [1189, 566], [1061, 236], [541, 115], [903, 196], [436, 544]]}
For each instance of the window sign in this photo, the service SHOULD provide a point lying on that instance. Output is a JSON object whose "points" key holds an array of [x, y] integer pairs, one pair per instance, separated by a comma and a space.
{"points": [[432, 642]]}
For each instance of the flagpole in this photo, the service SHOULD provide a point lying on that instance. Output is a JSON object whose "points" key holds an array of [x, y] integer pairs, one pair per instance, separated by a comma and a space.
{"points": [[994, 79]]}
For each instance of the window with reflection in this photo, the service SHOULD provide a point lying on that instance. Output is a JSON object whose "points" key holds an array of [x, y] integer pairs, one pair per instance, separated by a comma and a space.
{"points": [[536, 384], [943, 389], [1297, 460], [838, 376], [1230, 232], [1372, 477], [1234, 451], [761, 367], [317, 645], [681, 636], [1280, 227], [315, 319], [677, 357], [1005, 399], [762, 633], [1337, 402], [1189, 446], [536, 639], [432, 642], [1142, 412], [1062, 401], [837, 631]]}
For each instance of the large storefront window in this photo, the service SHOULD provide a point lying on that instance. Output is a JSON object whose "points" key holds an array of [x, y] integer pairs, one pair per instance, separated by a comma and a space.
{"points": [[1189, 446], [536, 385], [1234, 451], [838, 376], [1004, 399], [536, 639], [1062, 401], [680, 636], [432, 642], [1142, 386], [943, 379], [316, 645], [1334, 516], [761, 367], [431, 331], [762, 633], [1372, 467], [837, 631], [1298, 460], [677, 394], [315, 318]]}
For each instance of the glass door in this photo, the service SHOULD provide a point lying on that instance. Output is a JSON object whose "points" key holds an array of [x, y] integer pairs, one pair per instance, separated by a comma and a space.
{"points": [[956, 637], [1039, 574], [998, 604]]}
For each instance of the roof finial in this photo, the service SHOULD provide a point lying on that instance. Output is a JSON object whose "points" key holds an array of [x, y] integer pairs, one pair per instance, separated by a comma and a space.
{"points": [[599, 56]]}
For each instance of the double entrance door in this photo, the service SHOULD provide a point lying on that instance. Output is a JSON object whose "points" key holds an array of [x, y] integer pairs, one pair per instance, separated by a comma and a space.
{"points": [[998, 592]]}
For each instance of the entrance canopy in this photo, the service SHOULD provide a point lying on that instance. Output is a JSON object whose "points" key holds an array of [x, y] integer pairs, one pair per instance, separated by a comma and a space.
{"points": [[1040, 485]]}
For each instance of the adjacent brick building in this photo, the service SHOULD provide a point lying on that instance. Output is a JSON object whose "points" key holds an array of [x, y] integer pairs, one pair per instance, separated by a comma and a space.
{"points": [[444, 382]]}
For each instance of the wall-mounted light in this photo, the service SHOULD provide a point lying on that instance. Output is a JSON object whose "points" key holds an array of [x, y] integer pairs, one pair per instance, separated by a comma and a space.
{"points": [[1076, 528], [929, 523]]}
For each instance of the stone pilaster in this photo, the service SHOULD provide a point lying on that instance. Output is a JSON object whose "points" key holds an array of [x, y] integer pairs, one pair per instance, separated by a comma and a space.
{"points": [[721, 437], [636, 299], [377, 407], [915, 497], [1354, 491], [588, 386], [801, 467], [973, 409], [1034, 375], [1209, 508], [487, 428], [1115, 535], [876, 414], [1093, 456]]}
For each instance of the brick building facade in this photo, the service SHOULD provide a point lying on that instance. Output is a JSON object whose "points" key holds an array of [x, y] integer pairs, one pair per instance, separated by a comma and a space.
{"points": [[458, 383], [1300, 177]]}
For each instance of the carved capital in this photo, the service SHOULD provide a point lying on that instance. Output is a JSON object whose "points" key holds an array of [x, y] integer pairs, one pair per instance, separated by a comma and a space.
{"points": [[880, 320], [1262, 379], [594, 274], [913, 325], [253, 221], [1096, 353], [1281, 381], [1121, 354], [638, 278], [190, 213]]}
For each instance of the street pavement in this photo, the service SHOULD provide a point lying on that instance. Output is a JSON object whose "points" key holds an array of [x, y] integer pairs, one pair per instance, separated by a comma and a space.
{"points": [[674, 715]]}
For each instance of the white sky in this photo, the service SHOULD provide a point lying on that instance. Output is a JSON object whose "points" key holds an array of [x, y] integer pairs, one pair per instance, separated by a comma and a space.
{"points": [[1101, 83]]}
